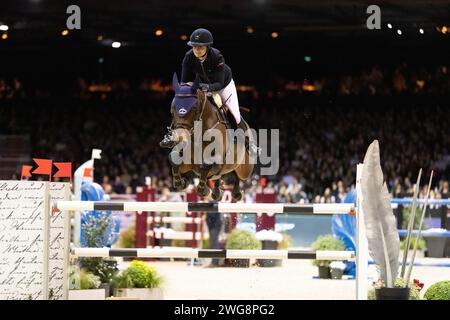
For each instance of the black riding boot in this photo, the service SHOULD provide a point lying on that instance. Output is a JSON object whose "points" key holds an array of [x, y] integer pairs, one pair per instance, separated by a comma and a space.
{"points": [[169, 140], [249, 145]]}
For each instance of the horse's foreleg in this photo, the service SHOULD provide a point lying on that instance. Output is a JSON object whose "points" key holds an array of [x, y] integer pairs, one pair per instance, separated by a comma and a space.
{"points": [[203, 188], [179, 182], [217, 193]]}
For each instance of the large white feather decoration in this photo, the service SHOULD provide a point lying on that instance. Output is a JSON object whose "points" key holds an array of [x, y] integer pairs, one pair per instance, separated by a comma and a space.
{"points": [[381, 226]]}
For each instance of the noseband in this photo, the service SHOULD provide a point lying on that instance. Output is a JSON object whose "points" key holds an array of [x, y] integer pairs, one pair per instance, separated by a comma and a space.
{"points": [[184, 125]]}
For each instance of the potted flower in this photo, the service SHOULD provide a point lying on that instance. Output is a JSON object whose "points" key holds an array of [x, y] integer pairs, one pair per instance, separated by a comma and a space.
{"points": [[242, 240], [104, 268], [438, 291], [84, 285], [337, 269], [399, 292], [138, 281], [269, 241], [326, 243]]}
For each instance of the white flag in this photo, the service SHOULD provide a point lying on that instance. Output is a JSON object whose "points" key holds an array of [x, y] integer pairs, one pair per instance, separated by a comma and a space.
{"points": [[96, 154]]}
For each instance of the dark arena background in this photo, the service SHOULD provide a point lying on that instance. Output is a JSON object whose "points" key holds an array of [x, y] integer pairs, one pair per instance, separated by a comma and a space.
{"points": [[314, 70]]}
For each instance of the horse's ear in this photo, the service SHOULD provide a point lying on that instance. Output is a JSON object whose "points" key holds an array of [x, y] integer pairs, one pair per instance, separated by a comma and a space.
{"points": [[175, 83], [196, 84]]}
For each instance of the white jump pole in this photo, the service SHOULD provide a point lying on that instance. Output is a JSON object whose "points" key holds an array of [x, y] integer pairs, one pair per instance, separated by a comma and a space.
{"points": [[170, 252], [269, 208]]}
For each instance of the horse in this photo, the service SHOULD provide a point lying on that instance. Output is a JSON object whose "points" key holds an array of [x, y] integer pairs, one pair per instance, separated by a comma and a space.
{"points": [[188, 106]]}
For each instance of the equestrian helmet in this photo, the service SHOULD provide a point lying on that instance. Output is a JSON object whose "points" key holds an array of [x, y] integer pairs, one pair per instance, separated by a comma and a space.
{"points": [[201, 37]]}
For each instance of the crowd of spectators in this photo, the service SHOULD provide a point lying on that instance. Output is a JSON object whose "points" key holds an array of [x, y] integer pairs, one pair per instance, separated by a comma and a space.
{"points": [[373, 81], [322, 137]]}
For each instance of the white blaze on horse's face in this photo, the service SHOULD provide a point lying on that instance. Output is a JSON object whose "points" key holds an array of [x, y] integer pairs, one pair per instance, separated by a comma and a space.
{"points": [[199, 51]]}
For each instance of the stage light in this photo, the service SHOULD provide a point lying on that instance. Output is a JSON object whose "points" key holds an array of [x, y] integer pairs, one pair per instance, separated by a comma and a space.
{"points": [[389, 26], [116, 44], [307, 59], [101, 60], [444, 29], [274, 35], [399, 32], [65, 33], [4, 27], [421, 31], [159, 32], [4, 36], [184, 37], [250, 29], [99, 38]]}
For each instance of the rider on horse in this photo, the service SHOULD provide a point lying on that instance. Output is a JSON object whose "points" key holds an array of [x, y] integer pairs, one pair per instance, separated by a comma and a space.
{"points": [[208, 64]]}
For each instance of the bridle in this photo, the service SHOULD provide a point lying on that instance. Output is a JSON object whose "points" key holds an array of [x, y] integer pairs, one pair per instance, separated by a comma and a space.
{"points": [[184, 125]]}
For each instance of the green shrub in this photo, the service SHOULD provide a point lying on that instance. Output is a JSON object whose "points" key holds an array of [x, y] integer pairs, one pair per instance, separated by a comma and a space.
{"points": [[84, 280], [327, 243], [286, 242], [242, 239], [128, 237], [438, 291], [420, 245], [406, 214], [105, 269], [137, 275]]}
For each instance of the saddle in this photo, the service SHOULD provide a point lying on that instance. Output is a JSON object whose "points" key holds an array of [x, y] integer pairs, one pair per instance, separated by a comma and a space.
{"points": [[223, 112]]}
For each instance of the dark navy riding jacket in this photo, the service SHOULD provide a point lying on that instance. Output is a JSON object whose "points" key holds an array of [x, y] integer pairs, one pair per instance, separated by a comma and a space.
{"points": [[213, 70]]}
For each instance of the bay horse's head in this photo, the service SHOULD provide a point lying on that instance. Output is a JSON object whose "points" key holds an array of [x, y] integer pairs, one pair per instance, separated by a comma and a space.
{"points": [[187, 103]]}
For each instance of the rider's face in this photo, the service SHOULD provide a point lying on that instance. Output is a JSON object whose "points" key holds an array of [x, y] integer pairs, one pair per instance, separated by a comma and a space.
{"points": [[199, 51]]}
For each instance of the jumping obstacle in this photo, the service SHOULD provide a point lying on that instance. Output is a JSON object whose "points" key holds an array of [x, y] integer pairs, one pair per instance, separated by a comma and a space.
{"points": [[269, 208], [361, 255], [212, 253], [38, 195]]}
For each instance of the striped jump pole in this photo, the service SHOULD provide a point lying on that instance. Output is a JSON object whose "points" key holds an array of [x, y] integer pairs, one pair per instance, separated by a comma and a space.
{"points": [[195, 220], [211, 253], [269, 208]]}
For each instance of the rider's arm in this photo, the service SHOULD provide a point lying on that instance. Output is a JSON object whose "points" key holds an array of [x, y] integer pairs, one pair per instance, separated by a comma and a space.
{"points": [[219, 74], [187, 74]]}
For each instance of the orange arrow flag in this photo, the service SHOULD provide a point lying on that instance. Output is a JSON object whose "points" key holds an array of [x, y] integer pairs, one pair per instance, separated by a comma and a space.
{"points": [[64, 170], [44, 167], [26, 171]]}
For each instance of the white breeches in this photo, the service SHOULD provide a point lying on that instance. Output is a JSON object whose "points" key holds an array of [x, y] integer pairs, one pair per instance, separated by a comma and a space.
{"points": [[230, 98]]}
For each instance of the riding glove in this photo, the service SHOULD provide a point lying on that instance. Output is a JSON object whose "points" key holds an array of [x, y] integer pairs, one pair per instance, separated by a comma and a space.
{"points": [[204, 87]]}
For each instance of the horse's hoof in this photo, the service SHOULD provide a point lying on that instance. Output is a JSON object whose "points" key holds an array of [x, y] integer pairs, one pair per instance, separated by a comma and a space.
{"points": [[179, 184], [237, 195], [217, 194], [202, 189]]}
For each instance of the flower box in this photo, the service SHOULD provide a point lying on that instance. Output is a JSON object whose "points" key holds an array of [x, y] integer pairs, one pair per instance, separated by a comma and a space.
{"points": [[269, 241], [89, 294], [269, 245], [140, 293], [392, 293], [324, 272]]}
